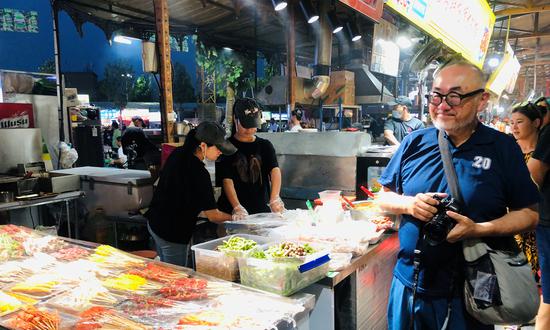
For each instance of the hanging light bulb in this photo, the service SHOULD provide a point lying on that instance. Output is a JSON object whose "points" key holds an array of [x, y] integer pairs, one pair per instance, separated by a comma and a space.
{"points": [[279, 4], [353, 31], [335, 22], [309, 12]]}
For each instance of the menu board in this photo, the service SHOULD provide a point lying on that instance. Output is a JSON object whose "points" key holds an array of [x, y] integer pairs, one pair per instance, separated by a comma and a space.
{"points": [[15, 20], [463, 26]]}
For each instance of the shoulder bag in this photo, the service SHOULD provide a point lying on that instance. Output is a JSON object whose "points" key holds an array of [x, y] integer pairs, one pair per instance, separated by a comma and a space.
{"points": [[499, 286]]}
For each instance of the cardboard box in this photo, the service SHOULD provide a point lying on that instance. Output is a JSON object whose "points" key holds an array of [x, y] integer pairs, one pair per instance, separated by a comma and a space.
{"points": [[342, 85]]}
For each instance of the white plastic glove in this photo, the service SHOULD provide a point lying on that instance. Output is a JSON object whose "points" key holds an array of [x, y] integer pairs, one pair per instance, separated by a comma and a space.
{"points": [[276, 205], [239, 213]]}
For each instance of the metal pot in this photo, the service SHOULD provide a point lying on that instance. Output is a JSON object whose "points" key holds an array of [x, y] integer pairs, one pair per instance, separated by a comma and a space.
{"points": [[6, 196]]}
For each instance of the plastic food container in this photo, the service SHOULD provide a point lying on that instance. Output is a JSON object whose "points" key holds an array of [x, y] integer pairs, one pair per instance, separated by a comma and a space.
{"points": [[284, 276], [219, 264], [330, 195]]}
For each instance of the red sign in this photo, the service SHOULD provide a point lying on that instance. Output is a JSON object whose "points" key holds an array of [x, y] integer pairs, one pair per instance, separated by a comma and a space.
{"points": [[16, 115], [370, 8]]}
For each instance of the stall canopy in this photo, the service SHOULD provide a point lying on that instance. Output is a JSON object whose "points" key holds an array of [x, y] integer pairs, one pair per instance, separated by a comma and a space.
{"points": [[243, 25]]}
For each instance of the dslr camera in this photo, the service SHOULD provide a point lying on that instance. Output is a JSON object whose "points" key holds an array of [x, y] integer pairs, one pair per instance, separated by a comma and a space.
{"points": [[436, 230]]}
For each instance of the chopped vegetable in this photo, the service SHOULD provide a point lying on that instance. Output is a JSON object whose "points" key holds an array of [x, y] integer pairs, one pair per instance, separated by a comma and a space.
{"points": [[237, 243]]}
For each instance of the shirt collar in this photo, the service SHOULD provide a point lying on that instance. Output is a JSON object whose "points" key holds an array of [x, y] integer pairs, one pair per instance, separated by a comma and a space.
{"points": [[482, 135]]}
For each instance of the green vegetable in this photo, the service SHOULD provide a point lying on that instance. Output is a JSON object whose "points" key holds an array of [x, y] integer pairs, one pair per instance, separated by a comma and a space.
{"points": [[259, 254], [237, 243]]}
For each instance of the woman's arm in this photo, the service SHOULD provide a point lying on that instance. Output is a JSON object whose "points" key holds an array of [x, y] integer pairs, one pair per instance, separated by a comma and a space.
{"points": [[217, 216]]}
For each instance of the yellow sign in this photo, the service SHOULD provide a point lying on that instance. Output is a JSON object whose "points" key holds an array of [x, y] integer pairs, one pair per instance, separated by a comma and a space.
{"points": [[505, 75], [465, 26]]}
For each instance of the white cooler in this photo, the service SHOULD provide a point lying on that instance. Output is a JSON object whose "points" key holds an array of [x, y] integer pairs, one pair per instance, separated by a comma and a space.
{"points": [[115, 190]]}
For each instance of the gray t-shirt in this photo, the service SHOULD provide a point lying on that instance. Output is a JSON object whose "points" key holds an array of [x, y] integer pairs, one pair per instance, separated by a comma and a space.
{"points": [[402, 128]]}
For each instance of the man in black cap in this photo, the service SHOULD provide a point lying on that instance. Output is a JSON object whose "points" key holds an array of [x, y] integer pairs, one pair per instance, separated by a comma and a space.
{"points": [[251, 178], [401, 122]]}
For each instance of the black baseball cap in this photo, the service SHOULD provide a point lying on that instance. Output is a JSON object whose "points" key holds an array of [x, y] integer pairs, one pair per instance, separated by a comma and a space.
{"points": [[298, 113], [401, 100], [212, 133], [248, 112]]}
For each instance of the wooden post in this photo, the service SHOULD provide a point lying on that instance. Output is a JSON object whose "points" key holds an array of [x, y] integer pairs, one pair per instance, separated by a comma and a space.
{"points": [[163, 46], [291, 56]]}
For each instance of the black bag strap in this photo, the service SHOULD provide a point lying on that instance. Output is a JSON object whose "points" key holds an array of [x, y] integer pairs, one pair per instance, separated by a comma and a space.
{"points": [[449, 168]]}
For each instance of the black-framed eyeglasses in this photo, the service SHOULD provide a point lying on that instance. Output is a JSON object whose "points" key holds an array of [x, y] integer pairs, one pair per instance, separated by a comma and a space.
{"points": [[452, 98]]}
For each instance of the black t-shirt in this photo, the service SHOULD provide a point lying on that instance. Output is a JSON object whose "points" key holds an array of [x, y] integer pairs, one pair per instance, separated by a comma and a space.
{"points": [[542, 153], [137, 135], [183, 191], [252, 187]]}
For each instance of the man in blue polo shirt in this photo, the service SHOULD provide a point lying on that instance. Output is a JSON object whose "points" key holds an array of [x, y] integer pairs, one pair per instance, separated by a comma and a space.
{"points": [[500, 199]]}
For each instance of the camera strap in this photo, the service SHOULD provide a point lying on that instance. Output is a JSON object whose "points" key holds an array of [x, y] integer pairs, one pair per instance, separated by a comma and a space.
{"points": [[448, 166], [452, 182]]}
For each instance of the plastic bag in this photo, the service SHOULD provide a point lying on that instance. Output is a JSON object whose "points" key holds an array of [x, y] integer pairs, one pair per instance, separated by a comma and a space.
{"points": [[68, 155]]}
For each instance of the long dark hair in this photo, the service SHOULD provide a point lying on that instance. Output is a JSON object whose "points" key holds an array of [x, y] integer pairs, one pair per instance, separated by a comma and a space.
{"points": [[191, 144], [530, 111]]}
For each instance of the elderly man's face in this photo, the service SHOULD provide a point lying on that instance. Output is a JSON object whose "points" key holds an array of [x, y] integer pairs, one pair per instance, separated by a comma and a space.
{"points": [[462, 80]]}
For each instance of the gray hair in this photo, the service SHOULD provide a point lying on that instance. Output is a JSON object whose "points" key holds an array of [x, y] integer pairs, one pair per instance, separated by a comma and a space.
{"points": [[457, 60]]}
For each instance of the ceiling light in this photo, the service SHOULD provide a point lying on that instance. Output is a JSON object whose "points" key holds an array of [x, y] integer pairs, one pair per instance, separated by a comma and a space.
{"points": [[334, 22], [404, 42], [309, 12], [353, 31], [122, 40], [494, 62], [279, 4]]}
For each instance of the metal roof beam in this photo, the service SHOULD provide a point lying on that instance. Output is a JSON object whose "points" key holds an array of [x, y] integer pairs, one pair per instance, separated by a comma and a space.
{"points": [[532, 63], [125, 7], [507, 3], [522, 10], [503, 18], [524, 37]]}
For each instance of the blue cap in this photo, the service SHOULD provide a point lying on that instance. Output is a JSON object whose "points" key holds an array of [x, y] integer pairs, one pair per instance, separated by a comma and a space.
{"points": [[401, 100]]}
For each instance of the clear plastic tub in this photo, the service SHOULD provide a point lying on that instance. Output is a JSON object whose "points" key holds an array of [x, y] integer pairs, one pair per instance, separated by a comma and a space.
{"points": [[219, 264], [330, 195], [283, 276]]}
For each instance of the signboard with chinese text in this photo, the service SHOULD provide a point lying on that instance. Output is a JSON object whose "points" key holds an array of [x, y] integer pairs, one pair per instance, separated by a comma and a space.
{"points": [[370, 8], [463, 26]]}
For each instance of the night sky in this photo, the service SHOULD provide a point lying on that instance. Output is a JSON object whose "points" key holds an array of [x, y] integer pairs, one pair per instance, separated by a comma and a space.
{"points": [[27, 51]]}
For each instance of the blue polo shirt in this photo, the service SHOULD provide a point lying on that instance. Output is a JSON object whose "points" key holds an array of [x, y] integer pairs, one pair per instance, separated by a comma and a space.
{"points": [[492, 176]]}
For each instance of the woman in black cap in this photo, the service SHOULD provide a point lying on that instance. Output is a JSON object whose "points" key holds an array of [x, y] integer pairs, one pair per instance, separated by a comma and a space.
{"points": [[184, 190], [251, 177]]}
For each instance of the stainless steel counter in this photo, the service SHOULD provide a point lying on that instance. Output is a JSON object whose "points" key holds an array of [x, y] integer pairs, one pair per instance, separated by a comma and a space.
{"points": [[357, 296], [314, 161]]}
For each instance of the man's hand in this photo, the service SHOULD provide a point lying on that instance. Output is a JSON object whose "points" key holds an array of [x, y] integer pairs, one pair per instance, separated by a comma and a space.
{"points": [[276, 205], [239, 213], [464, 228], [423, 206]]}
